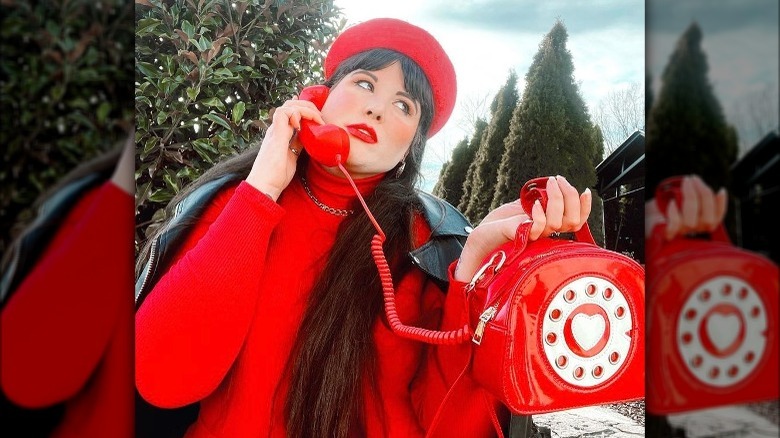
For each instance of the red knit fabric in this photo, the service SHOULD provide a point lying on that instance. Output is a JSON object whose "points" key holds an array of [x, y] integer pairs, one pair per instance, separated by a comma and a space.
{"points": [[67, 329], [219, 326]]}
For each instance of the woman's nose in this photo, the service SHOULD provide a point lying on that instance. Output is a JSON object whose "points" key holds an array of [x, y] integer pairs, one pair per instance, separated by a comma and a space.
{"points": [[374, 111]]}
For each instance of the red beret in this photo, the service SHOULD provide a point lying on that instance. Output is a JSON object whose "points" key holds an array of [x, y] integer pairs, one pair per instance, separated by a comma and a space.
{"points": [[412, 41]]}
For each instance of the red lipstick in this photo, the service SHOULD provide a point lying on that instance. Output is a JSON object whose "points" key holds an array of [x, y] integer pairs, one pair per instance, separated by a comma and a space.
{"points": [[362, 132]]}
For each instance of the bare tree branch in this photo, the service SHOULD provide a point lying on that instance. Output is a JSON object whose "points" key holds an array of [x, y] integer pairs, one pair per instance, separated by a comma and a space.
{"points": [[620, 114]]}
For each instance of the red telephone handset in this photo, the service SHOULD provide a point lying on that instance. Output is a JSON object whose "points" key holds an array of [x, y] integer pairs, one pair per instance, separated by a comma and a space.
{"points": [[326, 144]]}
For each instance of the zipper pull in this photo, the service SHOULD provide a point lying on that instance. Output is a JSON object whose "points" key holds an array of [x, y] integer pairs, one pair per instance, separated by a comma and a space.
{"points": [[486, 316]]}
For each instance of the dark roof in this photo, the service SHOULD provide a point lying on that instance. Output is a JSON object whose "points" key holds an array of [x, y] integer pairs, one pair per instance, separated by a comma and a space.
{"points": [[626, 163], [758, 163]]}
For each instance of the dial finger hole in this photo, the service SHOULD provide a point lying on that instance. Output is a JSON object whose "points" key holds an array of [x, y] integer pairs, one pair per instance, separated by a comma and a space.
{"points": [[579, 373], [714, 372], [733, 371], [620, 312], [590, 289], [705, 295], [743, 293], [690, 314], [696, 361], [569, 296], [598, 371], [608, 293], [726, 291], [614, 357], [551, 338], [755, 312], [561, 362], [749, 357], [687, 338], [555, 315]]}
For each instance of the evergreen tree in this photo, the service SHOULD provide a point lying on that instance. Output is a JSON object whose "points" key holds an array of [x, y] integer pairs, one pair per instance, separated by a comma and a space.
{"points": [[491, 148], [452, 177], [437, 188], [686, 130], [551, 132]]}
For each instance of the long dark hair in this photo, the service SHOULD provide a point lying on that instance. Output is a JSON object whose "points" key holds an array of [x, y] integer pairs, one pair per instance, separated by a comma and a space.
{"points": [[334, 350]]}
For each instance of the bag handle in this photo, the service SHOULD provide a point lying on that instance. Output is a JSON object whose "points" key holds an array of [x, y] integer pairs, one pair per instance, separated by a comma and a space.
{"points": [[670, 190], [533, 190]]}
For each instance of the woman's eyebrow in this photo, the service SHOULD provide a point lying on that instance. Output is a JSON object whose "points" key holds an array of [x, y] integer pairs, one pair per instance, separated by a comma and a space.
{"points": [[368, 73], [406, 95]]}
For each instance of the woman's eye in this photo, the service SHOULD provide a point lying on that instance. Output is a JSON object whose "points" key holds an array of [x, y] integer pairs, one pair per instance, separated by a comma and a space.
{"points": [[365, 84], [403, 106]]}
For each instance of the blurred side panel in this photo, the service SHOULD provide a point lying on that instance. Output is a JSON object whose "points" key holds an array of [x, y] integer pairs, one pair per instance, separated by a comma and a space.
{"points": [[66, 213], [712, 69]]}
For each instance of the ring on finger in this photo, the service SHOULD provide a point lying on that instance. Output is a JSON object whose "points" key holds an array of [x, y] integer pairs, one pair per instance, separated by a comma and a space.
{"points": [[295, 152]]}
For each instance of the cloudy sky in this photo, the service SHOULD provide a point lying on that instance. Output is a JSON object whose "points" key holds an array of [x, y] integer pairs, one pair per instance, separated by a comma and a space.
{"points": [[740, 40], [487, 38]]}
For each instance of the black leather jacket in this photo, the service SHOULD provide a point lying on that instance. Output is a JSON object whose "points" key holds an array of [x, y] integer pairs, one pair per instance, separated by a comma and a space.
{"points": [[37, 236], [449, 230]]}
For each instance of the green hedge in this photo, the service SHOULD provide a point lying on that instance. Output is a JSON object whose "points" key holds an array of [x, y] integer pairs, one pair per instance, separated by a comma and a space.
{"points": [[65, 90], [207, 74]]}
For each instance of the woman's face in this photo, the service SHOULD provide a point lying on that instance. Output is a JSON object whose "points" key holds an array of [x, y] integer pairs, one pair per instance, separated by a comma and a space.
{"points": [[380, 117]]}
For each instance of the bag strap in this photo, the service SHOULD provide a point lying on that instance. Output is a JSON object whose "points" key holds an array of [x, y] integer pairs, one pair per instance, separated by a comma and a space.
{"points": [[533, 190], [461, 388]]}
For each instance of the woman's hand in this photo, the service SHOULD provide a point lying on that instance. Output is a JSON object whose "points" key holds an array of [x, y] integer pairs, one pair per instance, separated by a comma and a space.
{"points": [[702, 210], [276, 162], [566, 211]]}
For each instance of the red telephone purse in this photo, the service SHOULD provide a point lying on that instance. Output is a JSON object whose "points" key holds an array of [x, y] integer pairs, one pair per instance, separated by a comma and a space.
{"points": [[712, 320], [555, 323], [559, 323]]}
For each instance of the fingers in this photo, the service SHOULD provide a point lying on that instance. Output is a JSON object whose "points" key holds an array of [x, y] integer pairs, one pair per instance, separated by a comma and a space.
{"points": [[555, 206], [701, 210], [721, 201], [708, 217], [566, 209], [293, 111], [572, 205], [540, 221], [673, 220], [690, 205], [586, 204]]}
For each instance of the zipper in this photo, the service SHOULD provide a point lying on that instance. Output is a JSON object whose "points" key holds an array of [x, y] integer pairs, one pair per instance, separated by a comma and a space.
{"points": [[152, 254], [484, 318]]}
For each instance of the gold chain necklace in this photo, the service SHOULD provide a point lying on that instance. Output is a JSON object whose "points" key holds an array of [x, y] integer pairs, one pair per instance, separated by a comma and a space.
{"points": [[326, 208]]}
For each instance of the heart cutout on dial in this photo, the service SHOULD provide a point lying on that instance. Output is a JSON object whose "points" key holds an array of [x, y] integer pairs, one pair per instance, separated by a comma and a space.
{"points": [[722, 330], [587, 330]]}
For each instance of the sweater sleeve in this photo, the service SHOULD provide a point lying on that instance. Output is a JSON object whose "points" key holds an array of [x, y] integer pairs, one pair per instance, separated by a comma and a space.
{"points": [[57, 324], [192, 325]]}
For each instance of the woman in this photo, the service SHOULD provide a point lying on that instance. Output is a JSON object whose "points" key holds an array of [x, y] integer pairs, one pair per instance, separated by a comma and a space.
{"points": [[271, 314]]}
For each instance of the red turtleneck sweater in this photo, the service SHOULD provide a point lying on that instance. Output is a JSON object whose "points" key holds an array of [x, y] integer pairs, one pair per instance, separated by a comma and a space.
{"points": [[67, 329], [219, 325]]}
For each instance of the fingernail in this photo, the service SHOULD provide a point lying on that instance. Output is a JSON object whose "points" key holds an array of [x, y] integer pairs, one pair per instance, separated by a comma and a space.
{"points": [[587, 190]]}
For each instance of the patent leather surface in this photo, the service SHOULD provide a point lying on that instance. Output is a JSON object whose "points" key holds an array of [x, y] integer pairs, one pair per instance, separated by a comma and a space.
{"points": [[712, 321], [559, 298]]}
